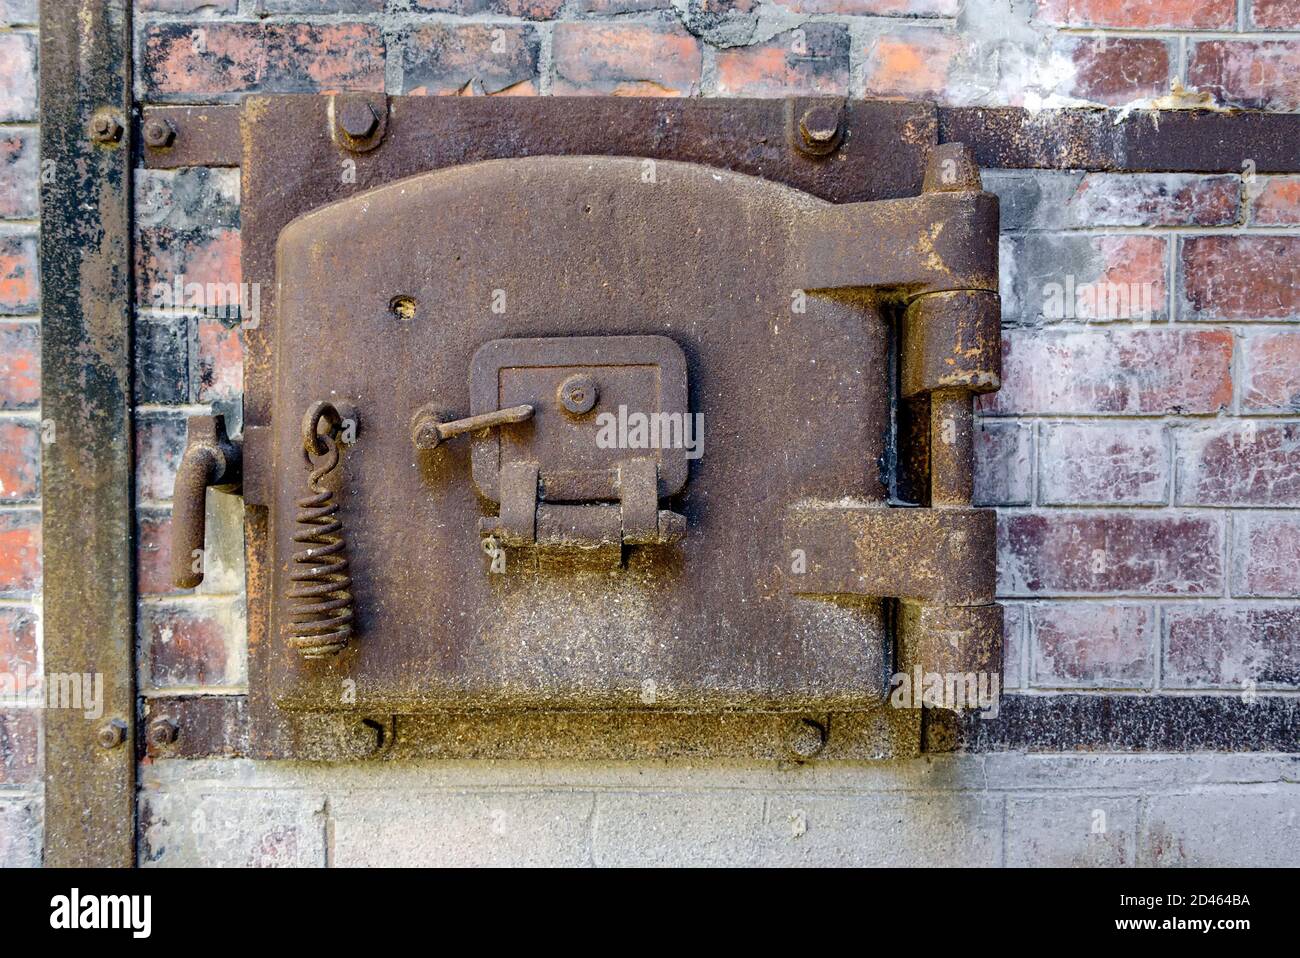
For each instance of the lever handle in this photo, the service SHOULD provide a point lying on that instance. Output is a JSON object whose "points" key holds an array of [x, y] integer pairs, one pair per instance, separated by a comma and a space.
{"points": [[211, 459], [428, 432]]}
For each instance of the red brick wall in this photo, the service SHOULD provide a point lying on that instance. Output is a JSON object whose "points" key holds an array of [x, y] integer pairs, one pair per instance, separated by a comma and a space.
{"points": [[20, 431], [1146, 468]]}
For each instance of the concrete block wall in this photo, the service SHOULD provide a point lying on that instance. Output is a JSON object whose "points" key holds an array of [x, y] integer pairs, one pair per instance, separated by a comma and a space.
{"points": [[1144, 452]]}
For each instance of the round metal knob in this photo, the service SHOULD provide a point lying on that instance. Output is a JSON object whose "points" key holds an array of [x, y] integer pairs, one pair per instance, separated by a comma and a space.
{"points": [[578, 394]]}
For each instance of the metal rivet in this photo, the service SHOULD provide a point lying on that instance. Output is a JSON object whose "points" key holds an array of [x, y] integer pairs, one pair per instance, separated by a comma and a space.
{"points": [[808, 738], [819, 130], [162, 732], [158, 133], [111, 734], [578, 394]]}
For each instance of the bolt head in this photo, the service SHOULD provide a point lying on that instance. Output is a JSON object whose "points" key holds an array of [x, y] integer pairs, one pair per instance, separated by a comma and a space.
{"points": [[357, 119], [426, 434], [105, 128], [162, 732], [808, 738], [819, 128], [158, 133], [578, 394], [111, 734]]}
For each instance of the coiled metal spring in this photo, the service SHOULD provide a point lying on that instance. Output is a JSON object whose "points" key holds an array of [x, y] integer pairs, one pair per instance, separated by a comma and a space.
{"points": [[321, 606]]}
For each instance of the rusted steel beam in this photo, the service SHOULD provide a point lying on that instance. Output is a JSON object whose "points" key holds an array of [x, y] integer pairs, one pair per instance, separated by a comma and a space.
{"points": [[1164, 141], [176, 136], [89, 600]]}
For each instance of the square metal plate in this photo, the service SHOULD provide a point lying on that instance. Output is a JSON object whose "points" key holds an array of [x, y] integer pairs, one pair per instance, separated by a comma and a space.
{"points": [[643, 375]]}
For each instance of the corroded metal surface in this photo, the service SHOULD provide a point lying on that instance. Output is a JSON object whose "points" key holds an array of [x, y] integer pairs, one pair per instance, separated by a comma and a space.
{"points": [[177, 136], [85, 260], [656, 231], [211, 461], [1165, 141], [1158, 141]]}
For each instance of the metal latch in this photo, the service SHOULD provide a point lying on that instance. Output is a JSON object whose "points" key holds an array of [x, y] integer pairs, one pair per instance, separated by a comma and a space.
{"points": [[553, 445]]}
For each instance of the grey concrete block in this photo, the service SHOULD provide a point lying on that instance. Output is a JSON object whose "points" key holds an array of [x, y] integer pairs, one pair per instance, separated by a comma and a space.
{"points": [[1072, 831], [1230, 827], [723, 828], [953, 829], [453, 828], [684, 829], [233, 828], [20, 832]]}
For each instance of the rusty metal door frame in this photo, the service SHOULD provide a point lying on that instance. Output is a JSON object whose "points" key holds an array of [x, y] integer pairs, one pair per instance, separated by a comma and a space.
{"points": [[86, 461]]}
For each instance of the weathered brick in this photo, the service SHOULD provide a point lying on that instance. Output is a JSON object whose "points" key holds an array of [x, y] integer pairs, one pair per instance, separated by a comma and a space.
{"points": [[159, 445], [1130, 553], [1114, 371], [153, 553], [471, 59], [18, 99], [20, 460], [18, 646], [20, 365], [1092, 645], [1250, 74], [1275, 201], [20, 291], [186, 199], [1071, 278], [162, 357], [1275, 14], [1014, 618], [193, 643], [20, 833], [1238, 278], [632, 59], [874, 8], [526, 9], [223, 828], [1116, 70], [191, 6], [612, 7], [1070, 200], [1154, 199], [1003, 460], [19, 746], [1103, 463], [1266, 555], [19, 155], [812, 59], [15, 12], [20, 552], [1270, 372], [1242, 827], [1141, 14], [301, 7], [204, 260], [1244, 463], [219, 60], [913, 62], [220, 361], [1071, 831], [1229, 646]]}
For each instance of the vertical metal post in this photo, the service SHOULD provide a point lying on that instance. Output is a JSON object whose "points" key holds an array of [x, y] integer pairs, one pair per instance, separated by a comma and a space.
{"points": [[89, 589]]}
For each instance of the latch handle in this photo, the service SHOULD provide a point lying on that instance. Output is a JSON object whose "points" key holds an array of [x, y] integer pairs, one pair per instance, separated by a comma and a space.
{"points": [[428, 432], [211, 459]]}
